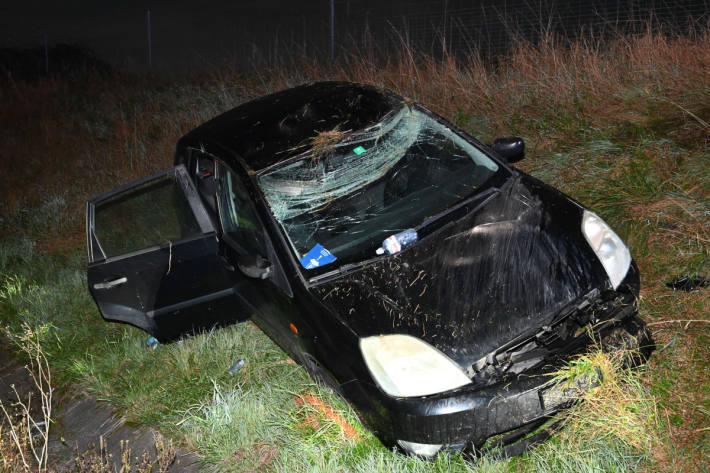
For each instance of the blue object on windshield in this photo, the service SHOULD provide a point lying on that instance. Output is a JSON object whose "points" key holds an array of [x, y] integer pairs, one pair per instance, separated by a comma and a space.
{"points": [[317, 257]]}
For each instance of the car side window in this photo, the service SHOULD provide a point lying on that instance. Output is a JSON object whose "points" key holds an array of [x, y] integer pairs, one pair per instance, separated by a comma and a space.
{"points": [[148, 215], [237, 213]]}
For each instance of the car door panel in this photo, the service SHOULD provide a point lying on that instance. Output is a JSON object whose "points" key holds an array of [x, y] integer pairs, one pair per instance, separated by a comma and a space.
{"points": [[171, 288]]}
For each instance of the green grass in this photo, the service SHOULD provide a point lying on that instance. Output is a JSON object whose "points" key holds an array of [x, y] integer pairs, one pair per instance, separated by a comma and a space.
{"points": [[620, 130], [248, 421]]}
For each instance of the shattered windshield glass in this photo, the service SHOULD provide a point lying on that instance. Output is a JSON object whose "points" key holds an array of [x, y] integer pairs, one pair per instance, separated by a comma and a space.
{"points": [[351, 191]]}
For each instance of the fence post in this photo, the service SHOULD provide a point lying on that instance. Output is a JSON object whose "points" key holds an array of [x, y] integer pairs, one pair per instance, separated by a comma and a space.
{"points": [[332, 29], [150, 44], [46, 56]]}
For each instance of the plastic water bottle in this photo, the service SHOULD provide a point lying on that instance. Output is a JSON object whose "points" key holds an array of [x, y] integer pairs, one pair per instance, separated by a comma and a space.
{"points": [[397, 242], [236, 367]]}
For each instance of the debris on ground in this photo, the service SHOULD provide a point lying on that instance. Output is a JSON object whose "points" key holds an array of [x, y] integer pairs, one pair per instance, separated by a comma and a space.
{"points": [[236, 367], [151, 343], [687, 283], [328, 413]]}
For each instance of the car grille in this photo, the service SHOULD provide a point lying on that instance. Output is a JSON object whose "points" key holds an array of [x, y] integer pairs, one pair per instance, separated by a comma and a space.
{"points": [[573, 329]]}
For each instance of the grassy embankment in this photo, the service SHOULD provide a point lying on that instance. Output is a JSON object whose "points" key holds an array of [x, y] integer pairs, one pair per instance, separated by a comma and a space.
{"points": [[621, 126]]}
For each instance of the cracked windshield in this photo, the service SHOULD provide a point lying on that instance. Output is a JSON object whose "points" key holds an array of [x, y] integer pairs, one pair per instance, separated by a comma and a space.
{"points": [[340, 201]]}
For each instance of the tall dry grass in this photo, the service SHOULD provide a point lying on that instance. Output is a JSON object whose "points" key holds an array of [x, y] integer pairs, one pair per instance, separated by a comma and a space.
{"points": [[626, 117], [82, 136]]}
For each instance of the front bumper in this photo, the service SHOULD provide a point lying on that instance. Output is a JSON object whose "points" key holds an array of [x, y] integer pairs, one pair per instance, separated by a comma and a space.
{"points": [[465, 418], [468, 419]]}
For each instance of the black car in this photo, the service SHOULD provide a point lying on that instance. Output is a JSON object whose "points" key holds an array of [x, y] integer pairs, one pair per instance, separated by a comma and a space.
{"points": [[398, 259]]}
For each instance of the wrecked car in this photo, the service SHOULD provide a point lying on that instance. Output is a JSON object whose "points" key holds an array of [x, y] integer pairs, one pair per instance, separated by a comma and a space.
{"points": [[398, 259]]}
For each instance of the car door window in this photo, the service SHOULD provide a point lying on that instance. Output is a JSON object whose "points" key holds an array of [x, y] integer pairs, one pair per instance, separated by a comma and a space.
{"points": [[153, 213], [240, 223]]}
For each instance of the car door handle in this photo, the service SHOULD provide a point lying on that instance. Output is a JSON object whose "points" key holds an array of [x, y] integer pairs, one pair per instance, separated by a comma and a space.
{"points": [[111, 284]]}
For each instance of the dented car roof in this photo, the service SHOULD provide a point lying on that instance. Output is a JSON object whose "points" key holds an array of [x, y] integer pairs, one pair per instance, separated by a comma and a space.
{"points": [[271, 129]]}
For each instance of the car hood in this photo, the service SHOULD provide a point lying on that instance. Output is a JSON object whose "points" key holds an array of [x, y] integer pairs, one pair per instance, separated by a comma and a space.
{"points": [[506, 267]]}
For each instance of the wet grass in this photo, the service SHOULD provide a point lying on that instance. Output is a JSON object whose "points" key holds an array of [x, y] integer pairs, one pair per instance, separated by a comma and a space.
{"points": [[620, 126]]}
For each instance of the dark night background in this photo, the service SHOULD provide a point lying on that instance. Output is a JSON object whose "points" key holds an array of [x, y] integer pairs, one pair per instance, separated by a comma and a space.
{"points": [[188, 35]]}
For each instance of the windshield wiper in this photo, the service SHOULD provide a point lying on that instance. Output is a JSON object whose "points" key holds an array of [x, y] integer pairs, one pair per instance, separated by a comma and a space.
{"points": [[349, 267], [485, 195], [342, 270]]}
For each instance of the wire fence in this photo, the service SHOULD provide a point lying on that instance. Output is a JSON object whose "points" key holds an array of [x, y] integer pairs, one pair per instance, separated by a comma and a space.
{"points": [[454, 26], [185, 37]]}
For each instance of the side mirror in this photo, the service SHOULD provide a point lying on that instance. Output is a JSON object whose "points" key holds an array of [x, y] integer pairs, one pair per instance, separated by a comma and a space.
{"points": [[254, 266], [510, 148]]}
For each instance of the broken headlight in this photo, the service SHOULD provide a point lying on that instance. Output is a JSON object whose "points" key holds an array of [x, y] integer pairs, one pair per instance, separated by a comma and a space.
{"points": [[405, 366], [610, 250]]}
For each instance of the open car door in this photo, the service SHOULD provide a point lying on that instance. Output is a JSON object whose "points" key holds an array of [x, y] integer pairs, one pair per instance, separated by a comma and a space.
{"points": [[155, 261]]}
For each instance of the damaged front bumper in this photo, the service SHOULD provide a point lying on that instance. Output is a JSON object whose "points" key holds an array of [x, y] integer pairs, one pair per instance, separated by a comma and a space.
{"points": [[513, 391], [464, 419]]}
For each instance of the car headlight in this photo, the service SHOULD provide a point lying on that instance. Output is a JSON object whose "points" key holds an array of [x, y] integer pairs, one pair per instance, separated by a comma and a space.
{"points": [[405, 366], [607, 245]]}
